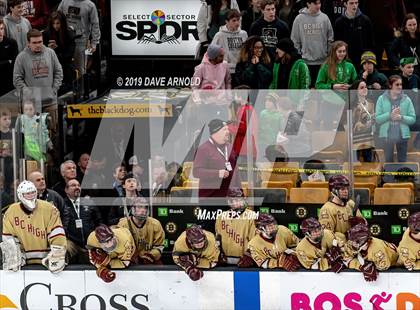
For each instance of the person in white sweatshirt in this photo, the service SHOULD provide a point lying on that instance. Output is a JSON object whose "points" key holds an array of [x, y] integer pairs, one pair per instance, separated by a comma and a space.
{"points": [[230, 37]]}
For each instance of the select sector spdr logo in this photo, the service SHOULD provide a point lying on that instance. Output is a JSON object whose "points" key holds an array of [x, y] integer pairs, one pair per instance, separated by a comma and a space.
{"points": [[6, 303]]}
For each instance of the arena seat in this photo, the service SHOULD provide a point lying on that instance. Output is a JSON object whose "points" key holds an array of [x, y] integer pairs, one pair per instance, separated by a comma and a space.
{"points": [[269, 175], [314, 184], [278, 184], [392, 196], [271, 195], [402, 185], [370, 186], [365, 178], [309, 195]]}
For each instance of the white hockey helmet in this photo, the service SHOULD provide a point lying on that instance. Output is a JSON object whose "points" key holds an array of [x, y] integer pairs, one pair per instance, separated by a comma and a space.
{"points": [[27, 194]]}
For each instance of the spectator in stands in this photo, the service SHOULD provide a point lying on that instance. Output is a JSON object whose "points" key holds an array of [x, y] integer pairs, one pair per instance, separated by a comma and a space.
{"points": [[411, 83], [354, 28], [119, 173], [122, 205], [386, 16], [159, 178], [289, 69], [147, 232], [82, 165], [3, 8], [60, 38], [284, 9], [312, 35], [79, 220], [334, 9], [38, 66], [210, 18], [214, 162], [33, 126], [337, 73], [46, 194], [276, 153], [230, 37], [6, 150], [254, 67], [394, 114], [5, 199], [8, 53], [271, 121], [36, 11], [367, 155], [269, 27], [407, 44], [175, 175], [363, 116], [82, 16], [137, 166], [373, 78], [410, 80], [243, 117], [314, 171], [213, 72], [251, 14], [68, 172], [16, 25]]}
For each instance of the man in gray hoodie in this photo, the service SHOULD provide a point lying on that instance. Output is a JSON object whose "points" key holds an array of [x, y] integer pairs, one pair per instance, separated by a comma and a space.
{"points": [[230, 37], [38, 66], [312, 34], [82, 16], [16, 25]]}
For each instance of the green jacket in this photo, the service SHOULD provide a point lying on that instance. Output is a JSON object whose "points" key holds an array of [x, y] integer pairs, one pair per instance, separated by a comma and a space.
{"points": [[383, 115], [346, 74], [299, 77]]}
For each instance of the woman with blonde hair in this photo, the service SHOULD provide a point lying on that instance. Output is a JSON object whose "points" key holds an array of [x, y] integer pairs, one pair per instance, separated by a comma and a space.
{"points": [[254, 67], [337, 73]]}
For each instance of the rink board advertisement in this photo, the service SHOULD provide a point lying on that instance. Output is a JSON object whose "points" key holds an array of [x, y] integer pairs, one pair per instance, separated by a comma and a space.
{"points": [[41, 290], [154, 28]]}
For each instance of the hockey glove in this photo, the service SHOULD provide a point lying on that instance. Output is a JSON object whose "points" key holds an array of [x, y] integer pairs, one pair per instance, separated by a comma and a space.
{"points": [[194, 273], [99, 257], [105, 274], [246, 260], [369, 271], [289, 262], [338, 266], [333, 254]]}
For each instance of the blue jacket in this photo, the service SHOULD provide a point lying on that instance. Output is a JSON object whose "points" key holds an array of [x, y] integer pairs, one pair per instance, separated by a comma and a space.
{"points": [[383, 115]]}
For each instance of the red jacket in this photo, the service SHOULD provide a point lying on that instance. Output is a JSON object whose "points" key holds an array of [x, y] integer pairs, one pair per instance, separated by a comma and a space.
{"points": [[239, 128]]}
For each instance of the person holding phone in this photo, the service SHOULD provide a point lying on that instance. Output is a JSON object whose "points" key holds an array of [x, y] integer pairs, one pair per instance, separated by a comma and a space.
{"points": [[254, 67], [60, 38]]}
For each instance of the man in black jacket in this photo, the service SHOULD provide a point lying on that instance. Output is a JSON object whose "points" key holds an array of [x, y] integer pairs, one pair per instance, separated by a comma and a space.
{"points": [[8, 53], [354, 28], [269, 27], [79, 221], [46, 194]]}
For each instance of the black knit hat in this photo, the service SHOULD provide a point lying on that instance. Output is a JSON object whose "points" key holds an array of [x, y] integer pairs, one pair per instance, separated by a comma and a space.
{"points": [[215, 125], [287, 46]]}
